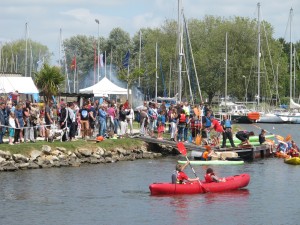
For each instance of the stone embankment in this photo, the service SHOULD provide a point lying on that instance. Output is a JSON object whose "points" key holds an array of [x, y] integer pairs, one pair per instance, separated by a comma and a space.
{"points": [[59, 157]]}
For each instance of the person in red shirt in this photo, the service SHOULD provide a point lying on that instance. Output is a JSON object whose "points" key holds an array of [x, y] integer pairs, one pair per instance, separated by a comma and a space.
{"points": [[218, 128], [211, 177], [181, 176]]}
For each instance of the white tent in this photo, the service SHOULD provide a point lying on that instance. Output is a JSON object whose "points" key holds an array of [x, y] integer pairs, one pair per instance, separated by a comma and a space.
{"points": [[24, 85], [103, 88]]}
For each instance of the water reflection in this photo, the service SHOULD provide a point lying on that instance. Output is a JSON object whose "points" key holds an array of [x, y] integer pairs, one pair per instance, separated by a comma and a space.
{"points": [[235, 195]]}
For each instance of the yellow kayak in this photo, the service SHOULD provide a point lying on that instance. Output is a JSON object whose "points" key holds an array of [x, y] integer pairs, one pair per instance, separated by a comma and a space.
{"points": [[293, 161]]}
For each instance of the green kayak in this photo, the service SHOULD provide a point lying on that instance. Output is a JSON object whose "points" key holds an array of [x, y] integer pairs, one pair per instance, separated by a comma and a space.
{"points": [[253, 139], [213, 162]]}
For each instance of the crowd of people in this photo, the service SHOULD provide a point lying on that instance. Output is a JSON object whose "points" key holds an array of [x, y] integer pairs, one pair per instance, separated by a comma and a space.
{"points": [[184, 122], [25, 121]]}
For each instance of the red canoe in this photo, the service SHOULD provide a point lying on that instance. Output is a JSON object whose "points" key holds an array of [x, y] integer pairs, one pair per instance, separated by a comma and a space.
{"points": [[232, 183]]}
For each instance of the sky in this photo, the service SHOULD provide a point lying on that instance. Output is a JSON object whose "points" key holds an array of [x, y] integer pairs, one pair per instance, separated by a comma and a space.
{"points": [[45, 18]]}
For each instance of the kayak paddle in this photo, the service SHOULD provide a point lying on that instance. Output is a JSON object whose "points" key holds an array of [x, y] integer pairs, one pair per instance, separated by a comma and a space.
{"points": [[182, 150]]}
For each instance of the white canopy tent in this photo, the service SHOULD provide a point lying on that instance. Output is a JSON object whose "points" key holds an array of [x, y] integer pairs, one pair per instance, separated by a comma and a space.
{"points": [[103, 88], [24, 85]]}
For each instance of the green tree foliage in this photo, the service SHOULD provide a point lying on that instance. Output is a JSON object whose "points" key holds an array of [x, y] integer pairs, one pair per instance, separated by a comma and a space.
{"points": [[207, 38], [119, 43], [13, 56], [49, 80]]}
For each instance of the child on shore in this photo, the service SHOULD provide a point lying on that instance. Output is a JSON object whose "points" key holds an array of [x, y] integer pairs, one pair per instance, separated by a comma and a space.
{"points": [[41, 125], [161, 120], [12, 127]]}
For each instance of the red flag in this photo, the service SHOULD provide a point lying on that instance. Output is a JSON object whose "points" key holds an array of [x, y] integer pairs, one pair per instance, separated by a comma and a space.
{"points": [[73, 64]]}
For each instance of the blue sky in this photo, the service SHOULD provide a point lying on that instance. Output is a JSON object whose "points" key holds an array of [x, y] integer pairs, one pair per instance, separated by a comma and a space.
{"points": [[46, 17]]}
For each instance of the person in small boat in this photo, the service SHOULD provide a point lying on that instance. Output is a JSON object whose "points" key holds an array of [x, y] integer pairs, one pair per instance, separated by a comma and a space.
{"points": [[282, 146], [211, 177], [180, 177], [293, 150], [208, 154], [243, 136]]}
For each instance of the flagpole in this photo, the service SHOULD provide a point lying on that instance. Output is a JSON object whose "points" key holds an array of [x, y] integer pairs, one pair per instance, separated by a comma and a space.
{"points": [[105, 63], [95, 62], [98, 72], [110, 63]]}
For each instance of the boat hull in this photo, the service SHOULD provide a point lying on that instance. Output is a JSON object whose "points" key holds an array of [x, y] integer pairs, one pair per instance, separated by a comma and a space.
{"points": [[270, 118], [232, 183], [293, 161], [214, 162]]}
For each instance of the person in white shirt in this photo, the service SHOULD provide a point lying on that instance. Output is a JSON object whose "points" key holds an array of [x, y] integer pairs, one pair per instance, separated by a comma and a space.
{"points": [[129, 119]]}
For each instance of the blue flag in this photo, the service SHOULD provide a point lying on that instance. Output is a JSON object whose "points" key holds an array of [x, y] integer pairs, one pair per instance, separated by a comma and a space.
{"points": [[126, 59]]}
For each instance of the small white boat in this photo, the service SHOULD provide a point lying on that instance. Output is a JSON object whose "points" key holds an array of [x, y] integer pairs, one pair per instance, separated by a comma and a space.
{"points": [[270, 118]]}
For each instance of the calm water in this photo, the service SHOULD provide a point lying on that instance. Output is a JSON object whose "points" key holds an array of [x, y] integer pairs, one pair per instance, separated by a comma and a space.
{"points": [[119, 194]]}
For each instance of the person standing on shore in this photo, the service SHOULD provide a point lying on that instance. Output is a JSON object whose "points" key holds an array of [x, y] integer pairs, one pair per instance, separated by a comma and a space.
{"points": [[3, 119], [227, 133]]}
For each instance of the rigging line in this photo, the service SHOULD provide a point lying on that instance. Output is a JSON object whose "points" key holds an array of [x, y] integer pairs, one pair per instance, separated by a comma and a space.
{"points": [[269, 51], [188, 77], [266, 76], [162, 74], [189, 40]]}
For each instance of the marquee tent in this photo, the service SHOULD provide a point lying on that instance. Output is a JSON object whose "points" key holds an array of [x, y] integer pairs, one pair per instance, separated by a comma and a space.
{"points": [[103, 88], [24, 85]]}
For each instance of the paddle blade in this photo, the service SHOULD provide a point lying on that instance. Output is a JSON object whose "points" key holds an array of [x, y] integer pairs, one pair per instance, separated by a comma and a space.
{"points": [[181, 148], [280, 138], [288, 138]]}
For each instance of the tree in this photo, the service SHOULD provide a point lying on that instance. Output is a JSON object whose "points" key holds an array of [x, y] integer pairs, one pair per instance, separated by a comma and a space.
{"points": [[118, 42], [48, 81], [13, 56]]}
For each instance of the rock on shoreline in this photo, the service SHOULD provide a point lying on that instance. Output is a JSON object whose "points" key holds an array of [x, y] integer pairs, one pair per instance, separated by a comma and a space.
{"points": [[61, 157]]}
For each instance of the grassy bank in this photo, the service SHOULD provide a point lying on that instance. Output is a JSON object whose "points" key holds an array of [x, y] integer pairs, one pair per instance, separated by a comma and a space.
{"points": [[109, 144]]}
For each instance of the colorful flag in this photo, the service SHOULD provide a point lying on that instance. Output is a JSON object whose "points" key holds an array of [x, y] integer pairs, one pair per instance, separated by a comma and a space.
{"points": [[73, 64], [126, 59]]}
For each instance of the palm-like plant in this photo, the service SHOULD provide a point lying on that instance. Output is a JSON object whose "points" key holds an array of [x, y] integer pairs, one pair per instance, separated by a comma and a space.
{"points": [[48, 81]]}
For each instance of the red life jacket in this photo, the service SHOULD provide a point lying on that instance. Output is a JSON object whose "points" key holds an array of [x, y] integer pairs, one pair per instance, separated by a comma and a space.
{"points": [[208, 178], [182, 118]]}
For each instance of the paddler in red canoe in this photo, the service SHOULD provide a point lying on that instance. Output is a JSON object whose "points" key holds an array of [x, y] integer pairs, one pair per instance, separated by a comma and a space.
{"points": [[211, 177], [180, 177]]}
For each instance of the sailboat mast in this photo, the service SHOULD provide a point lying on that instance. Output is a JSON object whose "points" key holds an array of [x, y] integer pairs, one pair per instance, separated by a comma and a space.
{"points": [[156, 72], [226, 70], [294, 55], [26, 37], [291, 55], [258, 56], [179, 52], [140, 52]]}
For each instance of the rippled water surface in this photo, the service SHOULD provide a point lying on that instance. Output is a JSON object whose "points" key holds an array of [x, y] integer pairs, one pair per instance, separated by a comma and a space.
{"points": [[119, 194]]}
